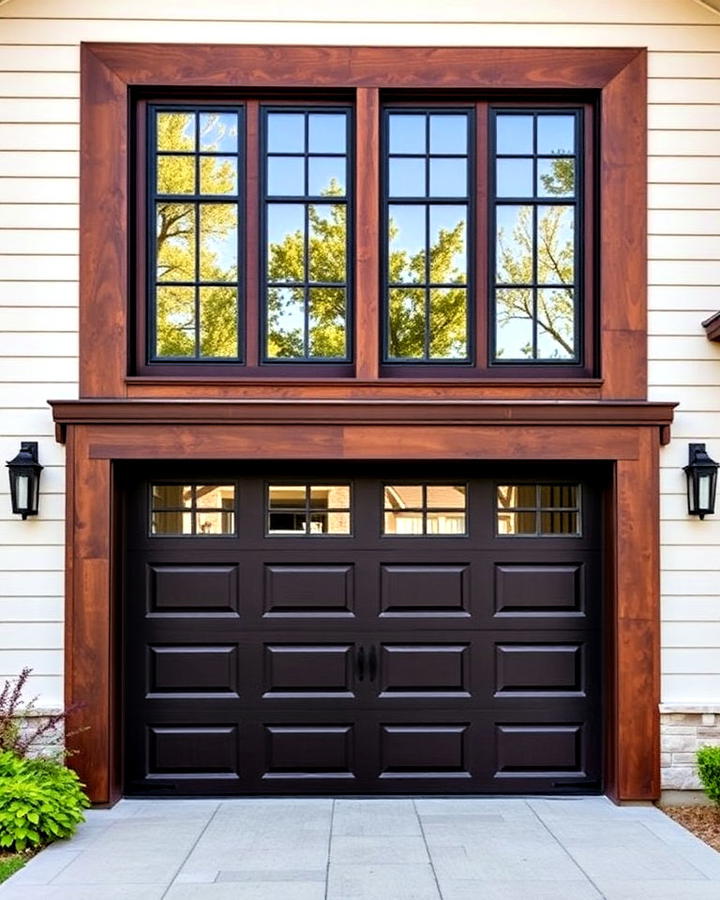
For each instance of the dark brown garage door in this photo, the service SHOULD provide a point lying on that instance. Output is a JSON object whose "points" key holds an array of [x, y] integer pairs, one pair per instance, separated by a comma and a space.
{"points": [[411, 630]]}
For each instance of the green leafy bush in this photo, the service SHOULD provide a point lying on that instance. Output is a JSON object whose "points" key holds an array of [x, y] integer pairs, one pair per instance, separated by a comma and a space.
{"points": [[708, 760], [40, 801]]}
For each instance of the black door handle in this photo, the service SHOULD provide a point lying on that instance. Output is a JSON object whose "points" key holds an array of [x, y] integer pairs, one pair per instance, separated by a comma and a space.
{"points": [[361, 664], [372, 664]]}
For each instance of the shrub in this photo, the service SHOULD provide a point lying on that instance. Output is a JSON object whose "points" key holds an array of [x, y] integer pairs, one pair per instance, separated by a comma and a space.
{"points": [[708, 760], [14, 714], [40, 801]]}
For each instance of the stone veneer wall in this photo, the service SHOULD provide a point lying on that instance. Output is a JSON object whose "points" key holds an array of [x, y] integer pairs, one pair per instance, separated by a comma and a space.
{"points": [[684, 730]]}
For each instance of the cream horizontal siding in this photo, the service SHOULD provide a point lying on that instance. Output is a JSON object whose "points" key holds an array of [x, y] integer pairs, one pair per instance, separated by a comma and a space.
{"points": [[39, 144]]}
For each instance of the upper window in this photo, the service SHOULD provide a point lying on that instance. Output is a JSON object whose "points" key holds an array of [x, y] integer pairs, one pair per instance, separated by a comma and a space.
{"points": [[481, 237]]}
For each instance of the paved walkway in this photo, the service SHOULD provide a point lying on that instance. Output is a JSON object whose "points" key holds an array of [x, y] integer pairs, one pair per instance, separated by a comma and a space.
{"points": [[425, 849]]}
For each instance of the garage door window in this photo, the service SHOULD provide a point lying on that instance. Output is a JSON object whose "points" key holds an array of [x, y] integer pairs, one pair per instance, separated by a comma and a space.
{"points": [[538, 510], [314, 510], [192, 509], [424, 509]]}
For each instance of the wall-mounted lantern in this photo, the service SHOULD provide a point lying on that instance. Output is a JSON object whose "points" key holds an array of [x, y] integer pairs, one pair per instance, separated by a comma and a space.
{"points": [[701, 474], [25, 480]]}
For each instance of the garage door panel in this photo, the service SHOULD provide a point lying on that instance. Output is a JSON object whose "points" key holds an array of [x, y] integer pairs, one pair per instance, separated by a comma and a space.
{"points": [[422, 751], [424, 670], [192, 671], [540, 669], [307, 671], [192, 590], [192, 751], [310, 750], [420, 590], [308, 590]]}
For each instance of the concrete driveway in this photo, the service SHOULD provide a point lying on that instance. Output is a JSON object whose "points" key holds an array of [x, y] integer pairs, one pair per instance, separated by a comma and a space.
{"points": [[424, 849]]}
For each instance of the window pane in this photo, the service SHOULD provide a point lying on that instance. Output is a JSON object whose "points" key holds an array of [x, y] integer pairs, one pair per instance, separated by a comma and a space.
{"points": [[286, 176], [448, 177], [326, 323], [171, 523], [556, 244], [446, 496], [176, 174], [403, 523], [175, 321], [286, 523], [517, 523], [556, 323], [558, 495], [514, 178], [175, 242], [556, 134], [407, 177], [445, 523], [285, 323], [448, 133], [407, 133], [406, 230], [514, 134], [218, 175], [329, 523], [326, 176], [514, 252], [216, 496], [559, 523], [286, 496], [330, 496], [328, 239], [175, 131], [286, 242], [448, 244], [406, 323], [218, 321], [171, 496], [326, 132], [448, 323], [523, 495], [556, 177], [219, 132], [286, 132], [401, 496], [214, 523], [218, 242], [513, 323]]}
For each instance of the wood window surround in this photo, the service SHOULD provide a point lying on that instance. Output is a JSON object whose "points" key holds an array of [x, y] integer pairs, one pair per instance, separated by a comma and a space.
{"points": [[608, 83]]}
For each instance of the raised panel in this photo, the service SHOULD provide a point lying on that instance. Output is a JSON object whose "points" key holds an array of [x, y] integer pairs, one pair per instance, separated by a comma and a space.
{"points": [[192, 751], [538, 749], [418, 670], [192, 670], [299, 590], [529, 670], [424, 751], [425, 590], [308, 670], [189, 590], [539, 590], [310, 750]]}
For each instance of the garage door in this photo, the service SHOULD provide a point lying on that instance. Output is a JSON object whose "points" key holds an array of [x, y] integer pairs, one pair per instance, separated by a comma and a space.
{"points": [[397, 630]]}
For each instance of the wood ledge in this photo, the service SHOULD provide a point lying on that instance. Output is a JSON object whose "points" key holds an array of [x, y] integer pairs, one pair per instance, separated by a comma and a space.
{"points": [[382, 412]]}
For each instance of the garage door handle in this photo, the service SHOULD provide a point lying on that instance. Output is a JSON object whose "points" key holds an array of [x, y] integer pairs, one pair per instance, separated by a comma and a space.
{"points": [[361, 664], [372, 664]]}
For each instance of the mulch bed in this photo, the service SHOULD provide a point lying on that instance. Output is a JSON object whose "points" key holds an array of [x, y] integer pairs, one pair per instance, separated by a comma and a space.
{"points": [[702, 821]]}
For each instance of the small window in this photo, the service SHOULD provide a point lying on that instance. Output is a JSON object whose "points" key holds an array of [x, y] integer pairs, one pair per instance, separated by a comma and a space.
{"points": [[187, 510], [538, 510], [313, 510], [424, 509], [427, 216], [536, 248], [194, 197], [307, 189]]}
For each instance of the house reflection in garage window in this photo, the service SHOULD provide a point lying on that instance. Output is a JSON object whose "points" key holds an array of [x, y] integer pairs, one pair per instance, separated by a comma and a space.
{"points": [[538, 510], [308, 509], [186, 510], [424, 509]]}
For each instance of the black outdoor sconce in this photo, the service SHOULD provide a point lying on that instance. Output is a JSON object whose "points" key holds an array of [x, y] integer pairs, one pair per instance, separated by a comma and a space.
{"points": [[701, 474], [25, 480]]}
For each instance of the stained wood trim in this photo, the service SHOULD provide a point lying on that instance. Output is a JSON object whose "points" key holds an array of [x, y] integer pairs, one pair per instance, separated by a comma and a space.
{"points": [[367, 229], [111, 71], [387, 413], [712, 327]]}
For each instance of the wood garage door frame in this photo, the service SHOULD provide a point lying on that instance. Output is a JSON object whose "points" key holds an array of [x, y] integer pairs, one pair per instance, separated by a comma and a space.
{"points": [[627, 435]]}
